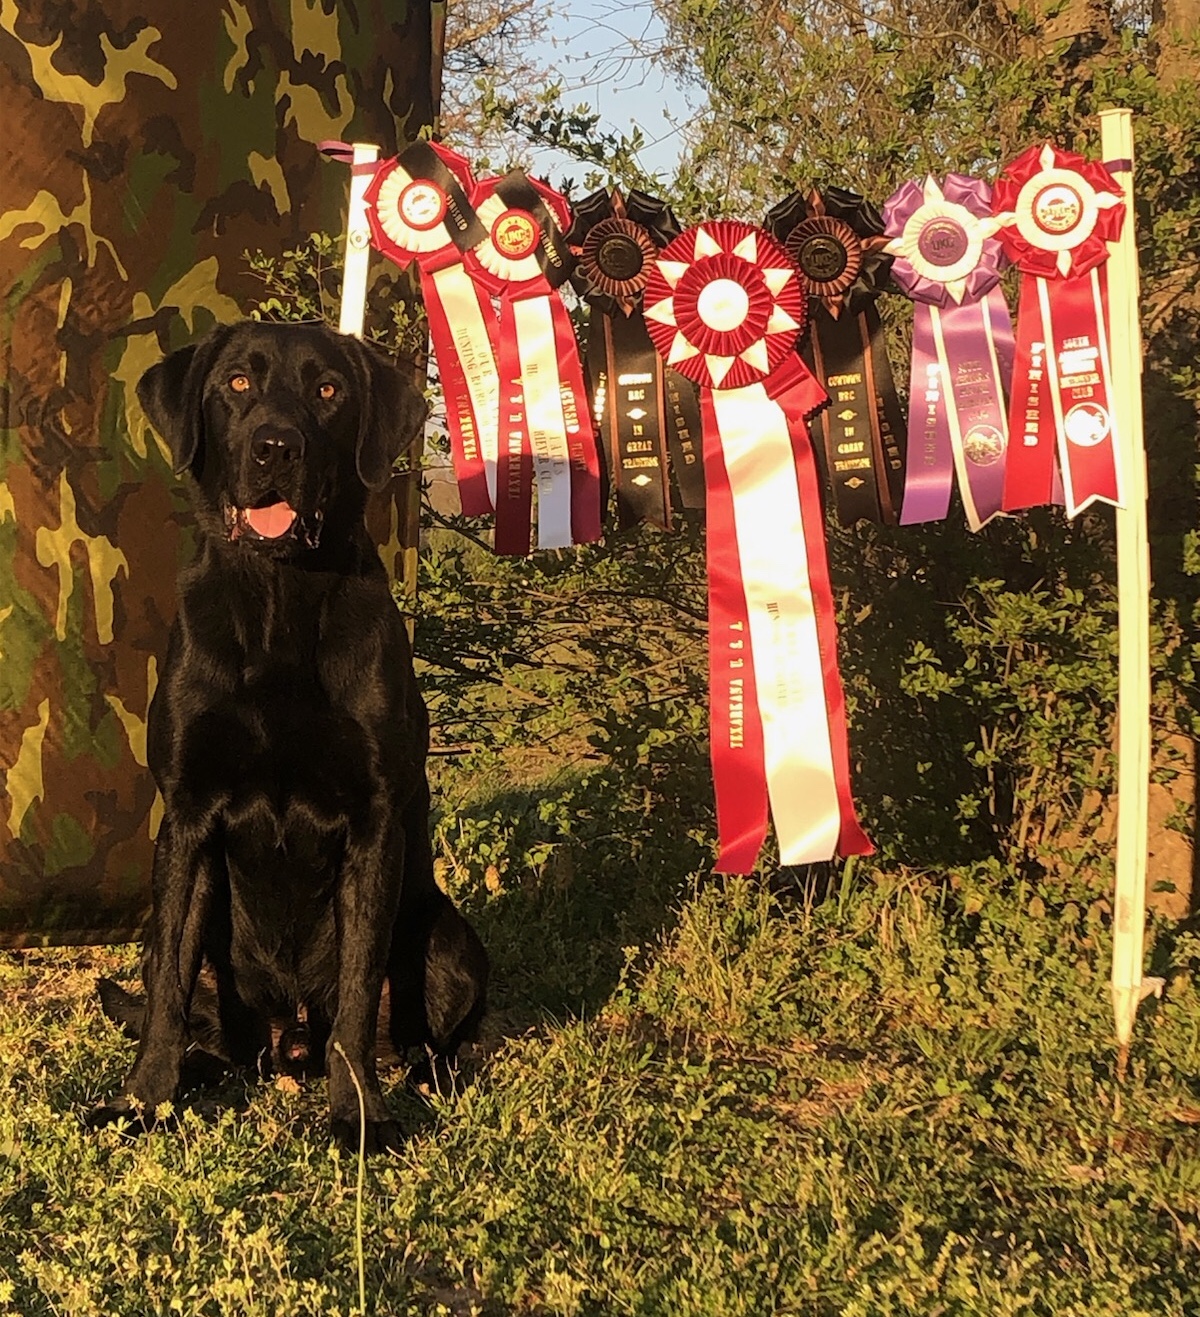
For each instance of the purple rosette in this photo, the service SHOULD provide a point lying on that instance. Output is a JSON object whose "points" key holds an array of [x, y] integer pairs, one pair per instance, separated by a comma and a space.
{"points": [[949, 261], [944, 240]]}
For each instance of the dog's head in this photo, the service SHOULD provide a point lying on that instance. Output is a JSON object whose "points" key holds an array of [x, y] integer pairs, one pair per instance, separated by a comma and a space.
{"points": [[284, 429]]}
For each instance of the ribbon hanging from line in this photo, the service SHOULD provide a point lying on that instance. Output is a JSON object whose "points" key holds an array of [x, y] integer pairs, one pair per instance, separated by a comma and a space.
{"points": [[948, 262], [1057, 213], [546, 426], [642, 407], [836, 239], [418, 210], [725, 307]]}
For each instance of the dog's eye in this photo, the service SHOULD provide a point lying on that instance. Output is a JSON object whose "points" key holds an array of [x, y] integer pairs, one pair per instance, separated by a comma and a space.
{"points": [[328, 391], [240, 383]]}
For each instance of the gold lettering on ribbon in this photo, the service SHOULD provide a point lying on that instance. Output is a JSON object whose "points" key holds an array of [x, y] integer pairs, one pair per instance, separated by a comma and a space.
{"points": [[570, 411], [472, 365], [1037, 359], [514, 437], [933, 393], [737, 714]]}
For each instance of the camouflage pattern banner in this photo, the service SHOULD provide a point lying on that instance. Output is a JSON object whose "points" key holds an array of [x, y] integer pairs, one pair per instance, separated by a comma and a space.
{"points": [[144, 154]]}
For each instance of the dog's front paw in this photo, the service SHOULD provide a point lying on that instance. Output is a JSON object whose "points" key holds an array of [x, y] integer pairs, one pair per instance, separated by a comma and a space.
{"points": [[381, 1135], [138, 1117]]}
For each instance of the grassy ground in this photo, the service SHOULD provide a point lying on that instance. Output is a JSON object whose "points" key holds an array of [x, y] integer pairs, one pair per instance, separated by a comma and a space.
{"points": [[892, 1097]]}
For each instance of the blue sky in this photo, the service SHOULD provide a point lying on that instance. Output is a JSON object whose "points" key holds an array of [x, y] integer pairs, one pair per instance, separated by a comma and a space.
{"points": [[602, 49]]}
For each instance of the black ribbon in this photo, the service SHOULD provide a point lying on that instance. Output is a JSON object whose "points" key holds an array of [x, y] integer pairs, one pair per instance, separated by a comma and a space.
{"points": [[642, 408], [420, 161], [553, 254], [684, 438], [837, 238]]}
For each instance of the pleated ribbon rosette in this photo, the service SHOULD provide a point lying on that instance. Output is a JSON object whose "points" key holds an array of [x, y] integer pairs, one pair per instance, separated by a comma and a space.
{"points": [[948, 261], [642, 408], [836, 238], [1058, 212], [418, 210], [725, 307], [546, 425]]}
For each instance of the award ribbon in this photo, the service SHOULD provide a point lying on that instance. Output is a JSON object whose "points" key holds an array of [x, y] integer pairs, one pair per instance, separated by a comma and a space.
{"points": [[545, 422], [1057, 213], [836, 239], [638, 412], [724, 306], [418, 210], [948, 262]]}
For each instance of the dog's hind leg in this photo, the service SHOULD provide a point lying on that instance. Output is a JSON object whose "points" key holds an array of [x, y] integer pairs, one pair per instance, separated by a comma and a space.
{"points": [[437, 968], [122, 1007]]}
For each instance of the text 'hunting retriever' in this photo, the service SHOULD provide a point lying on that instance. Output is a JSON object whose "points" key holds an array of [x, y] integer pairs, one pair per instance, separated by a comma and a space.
{"points": [[293, 865]]}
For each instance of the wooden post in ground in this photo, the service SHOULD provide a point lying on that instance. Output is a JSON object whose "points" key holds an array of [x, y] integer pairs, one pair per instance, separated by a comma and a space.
{"points": [[358, 244], [1133, 593]]}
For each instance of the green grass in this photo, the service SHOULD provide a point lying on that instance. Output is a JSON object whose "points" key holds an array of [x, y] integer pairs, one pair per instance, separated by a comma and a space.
{"points": [[896, 1099]]}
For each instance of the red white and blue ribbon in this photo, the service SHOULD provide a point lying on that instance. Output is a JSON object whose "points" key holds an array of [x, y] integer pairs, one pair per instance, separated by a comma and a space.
{"points": [[1058, 212], [948, 261], [546, 434], [418, 209], [724, 306]]}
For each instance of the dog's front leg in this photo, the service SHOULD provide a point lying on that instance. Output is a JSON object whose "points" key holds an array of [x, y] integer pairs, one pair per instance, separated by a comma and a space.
{"points": [[185, 863], [366, 902]]}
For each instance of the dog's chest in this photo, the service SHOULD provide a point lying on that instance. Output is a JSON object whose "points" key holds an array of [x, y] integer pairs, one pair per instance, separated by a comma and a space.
{"points": [[300, 754]]}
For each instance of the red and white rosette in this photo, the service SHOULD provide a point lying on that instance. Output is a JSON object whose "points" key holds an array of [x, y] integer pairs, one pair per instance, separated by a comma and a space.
{"points": [[724, 307], [546, 431], [418, 209], [1059, 212]]}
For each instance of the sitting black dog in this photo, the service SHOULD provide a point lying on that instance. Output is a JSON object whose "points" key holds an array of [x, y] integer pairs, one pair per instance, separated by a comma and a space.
{"points": [[288, 738]]}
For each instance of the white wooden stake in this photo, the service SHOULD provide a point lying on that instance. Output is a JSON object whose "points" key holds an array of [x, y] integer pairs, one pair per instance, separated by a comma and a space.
{"points": [[358, 246], [1133, 602]]}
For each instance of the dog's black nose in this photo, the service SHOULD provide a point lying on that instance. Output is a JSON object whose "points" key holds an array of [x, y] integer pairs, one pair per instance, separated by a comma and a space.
{"points": [[273, 445]]}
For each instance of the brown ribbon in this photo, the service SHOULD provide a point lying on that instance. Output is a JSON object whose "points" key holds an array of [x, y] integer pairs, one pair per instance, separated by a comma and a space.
{"points": [[836, 238]]}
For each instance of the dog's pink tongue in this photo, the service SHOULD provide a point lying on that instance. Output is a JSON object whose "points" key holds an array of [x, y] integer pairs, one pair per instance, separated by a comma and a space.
{"points": [[271, 522]]}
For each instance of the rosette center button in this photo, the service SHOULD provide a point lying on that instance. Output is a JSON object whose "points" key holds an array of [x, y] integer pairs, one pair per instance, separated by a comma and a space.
{"points": [[943, 242], [1057, 209], [822, 257], [620, 257], [723, 305]]}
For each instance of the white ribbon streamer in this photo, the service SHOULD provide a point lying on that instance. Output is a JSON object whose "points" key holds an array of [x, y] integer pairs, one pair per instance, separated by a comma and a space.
{"points": [[471, 338], [769, 526], [536, 344]]}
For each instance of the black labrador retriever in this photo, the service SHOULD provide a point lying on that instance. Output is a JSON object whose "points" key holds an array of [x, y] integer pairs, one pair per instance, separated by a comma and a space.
{"points": [[288, 738]]}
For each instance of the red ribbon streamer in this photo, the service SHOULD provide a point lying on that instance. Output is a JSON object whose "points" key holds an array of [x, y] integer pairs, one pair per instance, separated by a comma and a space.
{"points": [[418, 210], [725, 307], [1059, 213], [545, 412]]}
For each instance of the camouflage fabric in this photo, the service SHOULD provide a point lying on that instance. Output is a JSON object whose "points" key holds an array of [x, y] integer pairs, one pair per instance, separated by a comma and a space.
{"points": [[145, 151]]}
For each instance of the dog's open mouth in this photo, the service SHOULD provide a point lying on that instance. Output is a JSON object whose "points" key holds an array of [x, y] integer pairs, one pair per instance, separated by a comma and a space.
{"points": [[273, 520]]}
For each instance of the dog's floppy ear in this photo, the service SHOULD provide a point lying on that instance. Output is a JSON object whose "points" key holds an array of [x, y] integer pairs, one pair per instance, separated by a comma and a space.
{"points": [[391, 414], [172, 396]]}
